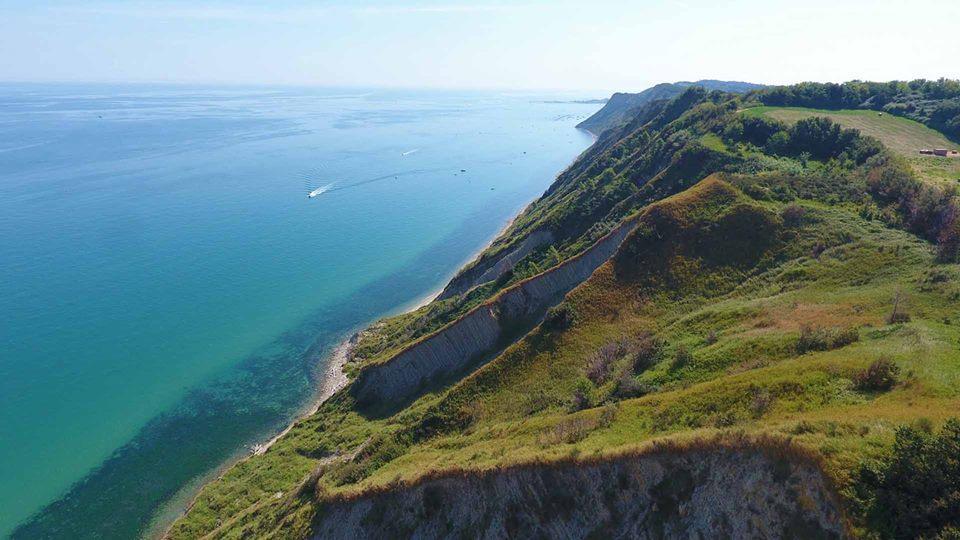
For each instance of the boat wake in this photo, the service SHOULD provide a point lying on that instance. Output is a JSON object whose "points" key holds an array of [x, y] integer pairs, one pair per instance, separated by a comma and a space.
{"points": [[319, 191], [408, 152], [342, 185]]}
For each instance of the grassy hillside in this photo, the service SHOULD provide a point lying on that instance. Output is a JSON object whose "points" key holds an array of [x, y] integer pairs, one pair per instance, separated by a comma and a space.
{"points": [[902, 135], [935, 103], [787, 286], [621, 106]]}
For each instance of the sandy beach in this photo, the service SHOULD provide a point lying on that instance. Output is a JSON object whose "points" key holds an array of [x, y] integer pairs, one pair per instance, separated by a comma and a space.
{"points": [[332, 380]]}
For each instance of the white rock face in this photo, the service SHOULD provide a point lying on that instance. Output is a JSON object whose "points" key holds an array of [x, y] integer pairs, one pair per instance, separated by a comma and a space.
{"points": [[720, 493], [481, 274], [472, 338]]}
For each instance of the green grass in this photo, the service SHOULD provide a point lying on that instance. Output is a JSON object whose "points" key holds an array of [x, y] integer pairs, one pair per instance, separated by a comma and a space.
{"points": [[757, 326], [686, 279], [902, 135], [811, 396]]}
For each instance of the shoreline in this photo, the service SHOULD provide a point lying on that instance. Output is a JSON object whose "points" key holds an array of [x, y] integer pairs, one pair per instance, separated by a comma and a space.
{"points": [[331, 381], [333, 378]]}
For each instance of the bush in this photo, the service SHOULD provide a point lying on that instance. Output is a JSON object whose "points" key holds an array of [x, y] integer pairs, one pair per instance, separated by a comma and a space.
{"points": [[628, 387], [880, 376], [683, 357], [583, 395], [569, 431], [793, 215], [559, 317], [608, 415], [930, 211], [817, 250], [814, 338], [646, 352], [845, 337], [600, 363], [915, 491], [760, 401], [350, 473]]}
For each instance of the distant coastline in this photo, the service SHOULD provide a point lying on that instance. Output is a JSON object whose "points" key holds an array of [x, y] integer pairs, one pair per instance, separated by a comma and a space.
{"points": [[596, 101]]}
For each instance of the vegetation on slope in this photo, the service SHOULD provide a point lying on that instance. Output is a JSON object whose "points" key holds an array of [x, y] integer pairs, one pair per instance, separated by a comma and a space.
{"points": [[903, 136], [934, 103], [805, 297], [621, 106]]}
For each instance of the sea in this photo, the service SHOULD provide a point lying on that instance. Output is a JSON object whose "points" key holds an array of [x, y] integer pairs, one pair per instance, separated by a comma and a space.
{"points": [[170, 290]]}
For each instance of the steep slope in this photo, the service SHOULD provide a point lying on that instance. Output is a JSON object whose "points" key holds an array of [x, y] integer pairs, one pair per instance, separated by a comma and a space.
{"points": [[674, 492], [621, 106], [782, 304]]}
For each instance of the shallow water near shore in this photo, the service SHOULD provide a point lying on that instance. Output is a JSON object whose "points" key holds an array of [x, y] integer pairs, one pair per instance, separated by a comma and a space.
{"points": [[170, 289]]}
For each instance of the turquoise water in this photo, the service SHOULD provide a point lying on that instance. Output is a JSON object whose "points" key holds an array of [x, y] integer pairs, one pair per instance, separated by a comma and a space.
{"points": [[169, 289]]}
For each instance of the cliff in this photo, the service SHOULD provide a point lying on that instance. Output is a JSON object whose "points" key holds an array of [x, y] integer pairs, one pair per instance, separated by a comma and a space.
{"points": [[469, 340], [701, 493], [497, 266], [621, 105]]}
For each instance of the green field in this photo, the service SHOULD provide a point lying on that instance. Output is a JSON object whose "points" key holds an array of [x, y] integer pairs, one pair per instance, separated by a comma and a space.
{"points": [[902, 135]]}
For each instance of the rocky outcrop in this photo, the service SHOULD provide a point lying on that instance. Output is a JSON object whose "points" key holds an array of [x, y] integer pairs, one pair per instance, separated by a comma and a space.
{"points": [[484, 271], [703, 493], [472, 338]]}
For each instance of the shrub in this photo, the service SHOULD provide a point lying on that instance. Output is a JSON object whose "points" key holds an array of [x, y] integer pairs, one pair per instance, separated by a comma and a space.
{"points": [[683, 357], [760, 401], [601, 362], [880, 376], [559, 317], [568, 431], [350, 473], [646, 352], [915, 491], [930, 211], [583, 395], [711, 338], [608, 415], [817, 250], [845, 337], [724, 419], [812, 338], [628, 387], [793, 215]]}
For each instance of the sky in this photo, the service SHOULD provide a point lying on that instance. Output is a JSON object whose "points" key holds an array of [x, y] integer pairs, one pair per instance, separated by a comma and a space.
{"points": [[562, 45]]}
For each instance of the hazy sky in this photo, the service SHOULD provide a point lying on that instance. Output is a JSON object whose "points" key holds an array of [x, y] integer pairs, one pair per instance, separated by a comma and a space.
{"points": [[598, 45]]}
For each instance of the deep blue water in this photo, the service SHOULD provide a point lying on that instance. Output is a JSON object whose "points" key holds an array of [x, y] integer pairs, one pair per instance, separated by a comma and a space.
{"points": [[168, 289]]}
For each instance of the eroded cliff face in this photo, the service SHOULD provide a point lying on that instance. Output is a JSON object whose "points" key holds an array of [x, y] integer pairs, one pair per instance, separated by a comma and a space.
{"points": [[703, 493], [489, 270], [467, 341]]}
